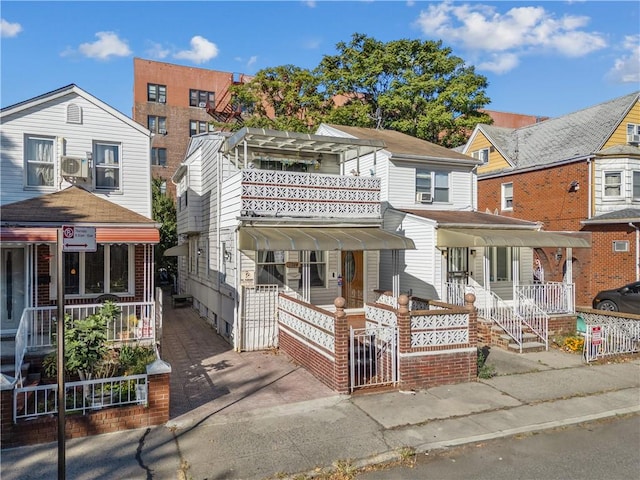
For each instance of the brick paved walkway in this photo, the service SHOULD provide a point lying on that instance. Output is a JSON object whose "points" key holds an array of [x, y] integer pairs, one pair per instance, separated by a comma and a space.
{"points": [[208, 377]]}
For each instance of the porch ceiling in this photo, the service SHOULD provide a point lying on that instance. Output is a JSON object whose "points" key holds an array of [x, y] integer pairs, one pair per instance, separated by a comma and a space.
{"points": [[483, 237], [308, 238]]}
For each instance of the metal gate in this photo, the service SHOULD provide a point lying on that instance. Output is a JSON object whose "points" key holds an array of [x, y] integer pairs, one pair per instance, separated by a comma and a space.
{"points": [[258, 322], [373, 356]]}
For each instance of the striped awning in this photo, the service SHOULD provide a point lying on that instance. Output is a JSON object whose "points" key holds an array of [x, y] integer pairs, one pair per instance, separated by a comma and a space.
{"points": [[486, 237], [103, 234], [321, 238]]}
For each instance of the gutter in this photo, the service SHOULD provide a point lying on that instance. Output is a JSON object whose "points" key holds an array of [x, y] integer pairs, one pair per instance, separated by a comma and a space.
{"points": [[637, 250]]}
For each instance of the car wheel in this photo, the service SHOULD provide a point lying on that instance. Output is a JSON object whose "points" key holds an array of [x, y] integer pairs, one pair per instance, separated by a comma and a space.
{"points": [[608, 305]]}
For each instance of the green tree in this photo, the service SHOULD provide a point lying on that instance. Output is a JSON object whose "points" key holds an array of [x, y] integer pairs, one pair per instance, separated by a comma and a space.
{"points": [[412, 86], [164, 212], [283, 98]]}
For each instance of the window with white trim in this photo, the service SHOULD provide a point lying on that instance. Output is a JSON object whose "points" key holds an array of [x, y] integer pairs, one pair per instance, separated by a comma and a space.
{"points": [[635, 187], [612, 187], [110, 269], [270, 267], [317, 269], [507, 196], [499, 264], [156, 93], [482, 154], [633, 133], [107, 165], [433, 184], [39, 155]]}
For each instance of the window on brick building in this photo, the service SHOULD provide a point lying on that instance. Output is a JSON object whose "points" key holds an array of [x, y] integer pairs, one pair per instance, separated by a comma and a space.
{"points": [[507, 196], [612, 184], [199, 126], [156, 93], [157, 124], [200, 98], [159, 156]]}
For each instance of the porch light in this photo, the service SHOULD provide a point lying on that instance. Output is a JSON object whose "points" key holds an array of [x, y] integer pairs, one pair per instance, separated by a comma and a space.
{"points": [[559, 254]]}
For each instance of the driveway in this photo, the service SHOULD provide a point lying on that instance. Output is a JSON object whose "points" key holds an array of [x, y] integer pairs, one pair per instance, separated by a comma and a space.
{"points": [[209, 378]]}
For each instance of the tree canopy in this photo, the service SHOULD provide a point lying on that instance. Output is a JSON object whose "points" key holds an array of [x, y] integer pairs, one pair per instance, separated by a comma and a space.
{"points": [[164, 212], [416, 87]]}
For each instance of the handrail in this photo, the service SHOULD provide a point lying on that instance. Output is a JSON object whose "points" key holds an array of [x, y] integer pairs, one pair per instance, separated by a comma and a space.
{"points": [[534, 317]]}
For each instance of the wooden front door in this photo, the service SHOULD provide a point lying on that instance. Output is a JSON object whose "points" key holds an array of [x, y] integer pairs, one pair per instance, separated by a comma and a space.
{"points": [[353, 279]]}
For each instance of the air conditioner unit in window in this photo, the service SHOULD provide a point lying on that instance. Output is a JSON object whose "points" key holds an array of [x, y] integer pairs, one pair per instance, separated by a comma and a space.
{"points": [[633, 138], [162, 131], [423, 197], [74, 167], [162, 99], [202, 104]]}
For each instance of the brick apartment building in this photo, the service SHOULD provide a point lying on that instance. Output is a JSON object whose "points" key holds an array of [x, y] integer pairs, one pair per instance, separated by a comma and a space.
{"points": [[176, 102]]}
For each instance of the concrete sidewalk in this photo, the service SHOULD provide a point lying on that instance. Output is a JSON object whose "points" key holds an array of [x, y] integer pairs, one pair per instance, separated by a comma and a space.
{"points": [[532, 392]]}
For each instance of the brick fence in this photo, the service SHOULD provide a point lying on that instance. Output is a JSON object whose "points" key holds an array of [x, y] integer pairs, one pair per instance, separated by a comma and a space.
{"points": [[45, 429]]}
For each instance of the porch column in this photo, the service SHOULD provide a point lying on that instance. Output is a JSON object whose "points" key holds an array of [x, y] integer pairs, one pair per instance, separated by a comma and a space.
{"points": [[486, 274], [395, 287], [306, 276], [568, 280], [515, 275]]}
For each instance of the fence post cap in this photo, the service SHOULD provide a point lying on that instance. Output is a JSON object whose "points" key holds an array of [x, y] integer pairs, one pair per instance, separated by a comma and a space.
{"points": [[403, 299], [7, 382], [340, 302], [158, 367]]}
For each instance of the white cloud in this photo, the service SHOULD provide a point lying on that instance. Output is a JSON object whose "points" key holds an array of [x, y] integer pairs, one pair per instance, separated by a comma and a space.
{"points": [[107, 45], [8, 30], [156, 50], [252, 61], [480, 27], [500, 63], [202, 50], [626, 68], [310, 3]]}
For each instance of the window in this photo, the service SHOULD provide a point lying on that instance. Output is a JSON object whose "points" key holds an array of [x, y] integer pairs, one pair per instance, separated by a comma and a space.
{"points": [[159, 156], [39, 158], [107, 162], [271, 267], [507, 196], [317, 269], [157, 124], [620, 246], [199, 126], [482, 154], [156, 93], [433, 185], [107, 270], [200, 98], [612, 184], [499, 264], [636, 185], [633, 133]]}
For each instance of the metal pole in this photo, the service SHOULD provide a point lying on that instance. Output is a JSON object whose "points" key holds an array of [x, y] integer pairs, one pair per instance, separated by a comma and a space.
{"points": [[60, 333]]}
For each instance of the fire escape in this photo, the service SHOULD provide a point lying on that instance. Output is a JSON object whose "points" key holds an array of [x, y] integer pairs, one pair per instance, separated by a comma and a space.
{"points": [[225, 109]]}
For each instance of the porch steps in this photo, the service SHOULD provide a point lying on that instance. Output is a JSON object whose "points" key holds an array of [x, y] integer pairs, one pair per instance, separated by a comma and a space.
{"points": [[530, 341]]}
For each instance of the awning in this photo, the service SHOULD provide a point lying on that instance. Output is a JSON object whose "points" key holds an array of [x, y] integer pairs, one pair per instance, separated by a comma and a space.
{"points": [[103, 234], [177, 251], [320, 238], [485, 237]]}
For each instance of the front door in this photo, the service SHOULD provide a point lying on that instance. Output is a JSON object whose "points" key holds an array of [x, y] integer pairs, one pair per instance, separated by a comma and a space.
{"points": [[353, 279], [12, 288], [457, 265]]}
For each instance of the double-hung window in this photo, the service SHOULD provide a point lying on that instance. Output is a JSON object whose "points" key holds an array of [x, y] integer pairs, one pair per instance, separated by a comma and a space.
{"points": [[499, 264], [636, 185], [156, 93], [157, 124], [107, 165], [633, 133], [200, 98], [507, 196], [612, 184], [107, 270], [39, 154], [271, 267], [432, 186], [159, 156], [198, 126], [482, 154]]}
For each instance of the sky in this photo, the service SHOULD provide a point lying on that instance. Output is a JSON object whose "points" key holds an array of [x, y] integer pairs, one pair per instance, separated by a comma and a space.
{"points": [[545, 58]]}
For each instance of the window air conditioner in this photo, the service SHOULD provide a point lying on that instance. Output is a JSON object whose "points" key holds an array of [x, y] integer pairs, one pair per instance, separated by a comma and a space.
{"points": [[162, 131], [633, 138], [202, 104], [74, 167], [162, 99], [423, 197]]}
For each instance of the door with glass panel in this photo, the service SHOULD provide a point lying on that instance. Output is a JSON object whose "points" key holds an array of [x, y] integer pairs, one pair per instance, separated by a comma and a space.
{"points": [[12, 288], [353, 279]]}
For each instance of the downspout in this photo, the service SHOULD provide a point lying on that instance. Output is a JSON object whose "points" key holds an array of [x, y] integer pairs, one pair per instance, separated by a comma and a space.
{"points": [[637, 250], [590, 190]]}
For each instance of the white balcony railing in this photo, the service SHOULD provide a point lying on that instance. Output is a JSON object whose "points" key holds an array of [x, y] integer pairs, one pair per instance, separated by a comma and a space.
{"points": [[297, 194]]}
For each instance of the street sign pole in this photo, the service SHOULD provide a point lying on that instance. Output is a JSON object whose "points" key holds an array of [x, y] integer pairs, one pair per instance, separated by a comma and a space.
{"points": [[60, 338]]}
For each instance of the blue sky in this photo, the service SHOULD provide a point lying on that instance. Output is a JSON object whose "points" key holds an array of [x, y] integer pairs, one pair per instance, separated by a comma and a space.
{"points": [[540, 57]]}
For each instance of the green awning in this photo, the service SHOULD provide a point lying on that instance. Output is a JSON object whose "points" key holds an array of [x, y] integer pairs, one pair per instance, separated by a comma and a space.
{"points": [[486, 237], [321, 238]]}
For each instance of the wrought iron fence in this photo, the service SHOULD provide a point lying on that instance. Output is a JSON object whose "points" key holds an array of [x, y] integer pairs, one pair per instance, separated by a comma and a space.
{"points": [[607, 335]]}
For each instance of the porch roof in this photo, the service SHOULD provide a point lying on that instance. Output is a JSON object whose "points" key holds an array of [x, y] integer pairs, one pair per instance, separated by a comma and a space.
{"points": [[330, 238], [485, 237]]}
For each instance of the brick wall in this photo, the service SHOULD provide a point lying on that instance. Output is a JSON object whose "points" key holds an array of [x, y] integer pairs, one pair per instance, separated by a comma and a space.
{"points": [[45, 429]]}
